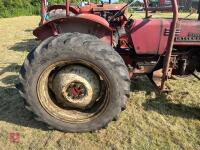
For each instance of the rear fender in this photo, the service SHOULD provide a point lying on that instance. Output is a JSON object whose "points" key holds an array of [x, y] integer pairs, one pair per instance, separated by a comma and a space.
{"points": [[84, 23]]}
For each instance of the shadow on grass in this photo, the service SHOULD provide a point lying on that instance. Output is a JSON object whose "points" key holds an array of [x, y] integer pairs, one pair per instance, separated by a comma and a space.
{"points": [[165, 107], [25, 45], [14, 67], [12, 105], [28, 30], [161, 104], [141, 83]]}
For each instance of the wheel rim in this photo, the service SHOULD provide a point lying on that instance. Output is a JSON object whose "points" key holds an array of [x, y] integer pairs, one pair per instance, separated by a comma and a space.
{"points": [[74, 103], [76, 86]]}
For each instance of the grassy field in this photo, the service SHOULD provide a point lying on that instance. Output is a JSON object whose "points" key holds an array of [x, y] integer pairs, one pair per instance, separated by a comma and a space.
{"points": [[170, 122]]}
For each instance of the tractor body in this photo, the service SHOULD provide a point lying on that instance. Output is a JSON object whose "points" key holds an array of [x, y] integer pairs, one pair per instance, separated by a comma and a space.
{"points": [[137, 40], [89, 52]]}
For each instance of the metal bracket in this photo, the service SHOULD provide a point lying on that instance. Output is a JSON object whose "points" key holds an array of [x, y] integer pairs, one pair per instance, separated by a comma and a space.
{"points": [[156, 79]]}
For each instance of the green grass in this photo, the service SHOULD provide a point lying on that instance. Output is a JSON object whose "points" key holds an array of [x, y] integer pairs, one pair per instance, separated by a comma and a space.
{"points": [[168, 122], [13, 12]]}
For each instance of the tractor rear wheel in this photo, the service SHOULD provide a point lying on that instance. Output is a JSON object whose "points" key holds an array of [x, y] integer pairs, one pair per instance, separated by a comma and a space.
{"points": [[74, 82]]}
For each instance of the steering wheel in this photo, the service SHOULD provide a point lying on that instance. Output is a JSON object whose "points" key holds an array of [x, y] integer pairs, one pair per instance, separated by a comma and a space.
{"points": [[121, 11]]}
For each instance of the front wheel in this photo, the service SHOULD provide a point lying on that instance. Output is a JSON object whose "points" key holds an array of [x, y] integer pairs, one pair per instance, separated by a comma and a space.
{"points": [[75, 82]]}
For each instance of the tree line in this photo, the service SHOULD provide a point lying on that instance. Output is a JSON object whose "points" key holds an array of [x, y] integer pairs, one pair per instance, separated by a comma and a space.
{"points": [[11, 8]]}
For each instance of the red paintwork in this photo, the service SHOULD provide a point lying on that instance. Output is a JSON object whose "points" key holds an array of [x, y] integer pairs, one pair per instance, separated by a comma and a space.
{"points": [[75, 91], [84, 23], [67, 7], [150, 39], [149, 35], [95, 18], [145, 35], [91, 8], [186, 27], [85, 14]]}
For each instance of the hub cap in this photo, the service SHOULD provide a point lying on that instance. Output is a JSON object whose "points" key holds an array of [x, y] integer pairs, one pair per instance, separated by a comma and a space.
{"points": [[76, 86], [75, 91]]}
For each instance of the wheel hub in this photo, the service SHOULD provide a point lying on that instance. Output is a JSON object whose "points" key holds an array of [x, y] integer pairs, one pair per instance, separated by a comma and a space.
{"points": [[75, 91], [76, 86]]}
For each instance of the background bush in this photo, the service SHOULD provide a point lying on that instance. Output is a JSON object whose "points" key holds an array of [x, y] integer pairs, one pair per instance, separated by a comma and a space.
{"points": [[11, 8]]}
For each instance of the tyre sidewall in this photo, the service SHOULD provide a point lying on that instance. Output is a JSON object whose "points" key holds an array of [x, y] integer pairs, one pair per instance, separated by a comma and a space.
{"points": [[62, 54]]}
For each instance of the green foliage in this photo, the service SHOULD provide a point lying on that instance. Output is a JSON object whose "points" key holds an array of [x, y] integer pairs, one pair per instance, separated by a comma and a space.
{"points": [[10, 8]]}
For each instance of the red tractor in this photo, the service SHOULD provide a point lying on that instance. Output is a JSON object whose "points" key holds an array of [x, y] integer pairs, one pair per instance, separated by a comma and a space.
{"points": [[78, 78]]}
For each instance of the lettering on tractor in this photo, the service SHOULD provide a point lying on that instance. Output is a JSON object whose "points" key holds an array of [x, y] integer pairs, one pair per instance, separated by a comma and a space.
{"points": [[195, 37], [78, 78]]}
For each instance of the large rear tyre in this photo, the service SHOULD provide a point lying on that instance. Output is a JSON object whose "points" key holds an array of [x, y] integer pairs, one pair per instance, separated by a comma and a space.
{"points": [[75, 82]]}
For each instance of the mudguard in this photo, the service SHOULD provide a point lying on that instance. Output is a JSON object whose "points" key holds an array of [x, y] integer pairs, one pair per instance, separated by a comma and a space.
{"points": [[83, 23]]}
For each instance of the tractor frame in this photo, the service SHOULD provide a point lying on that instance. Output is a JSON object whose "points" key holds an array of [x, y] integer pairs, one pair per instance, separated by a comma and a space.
{"points": [[106, 32]]}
